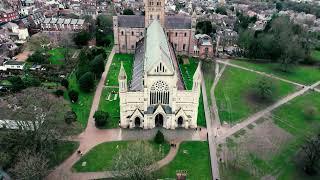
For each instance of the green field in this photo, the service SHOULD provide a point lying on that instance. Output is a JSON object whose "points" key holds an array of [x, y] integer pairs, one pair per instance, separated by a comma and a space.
{"points": [[62, 150], [83, 106], [187, 72], [100, 157], [300, 74], [283, 164], [111, 106], [56, 56], [127, 60], [193, 157], [233, 94], [208, 71]]}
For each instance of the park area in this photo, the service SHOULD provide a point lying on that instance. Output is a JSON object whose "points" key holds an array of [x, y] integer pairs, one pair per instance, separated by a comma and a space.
{"points": [[109, 102], [301, 73], [193, 157], [235, 94], [270, 148], [127, 60], [100, 157], [83, 105]]}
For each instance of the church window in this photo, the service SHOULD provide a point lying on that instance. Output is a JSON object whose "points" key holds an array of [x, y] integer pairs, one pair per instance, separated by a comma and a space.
{"points": [[132, 33], [151, 17], [122, 33], [141, 33], [185, 34], [176, 34], [159, 93], [158, 3], [132, 46], [184, 47], [175, 46]]}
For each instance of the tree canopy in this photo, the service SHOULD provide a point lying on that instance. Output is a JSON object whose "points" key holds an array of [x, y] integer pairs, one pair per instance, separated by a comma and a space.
{"points": [[128, 12]]}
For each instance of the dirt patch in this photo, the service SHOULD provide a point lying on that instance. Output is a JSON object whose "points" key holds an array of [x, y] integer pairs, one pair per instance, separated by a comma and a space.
{"points": [[265, 140], [23, 56]]}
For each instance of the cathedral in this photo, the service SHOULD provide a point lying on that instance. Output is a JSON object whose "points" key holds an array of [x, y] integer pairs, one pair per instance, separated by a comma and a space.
{"points": [[180, 31], [156, 95]]}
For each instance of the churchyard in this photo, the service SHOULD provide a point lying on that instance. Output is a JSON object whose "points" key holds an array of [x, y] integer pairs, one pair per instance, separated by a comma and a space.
{"points": [[100, 157], [236, 95], [270, 147]]}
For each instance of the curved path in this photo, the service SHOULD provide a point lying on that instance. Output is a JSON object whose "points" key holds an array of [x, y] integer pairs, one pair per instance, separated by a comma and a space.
{"points": [[93, 136]]}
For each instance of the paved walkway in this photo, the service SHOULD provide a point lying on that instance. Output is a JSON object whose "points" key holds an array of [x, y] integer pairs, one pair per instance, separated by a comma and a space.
{"points": [[259, 72], [262, 113], [211, 136], [93, 136]]}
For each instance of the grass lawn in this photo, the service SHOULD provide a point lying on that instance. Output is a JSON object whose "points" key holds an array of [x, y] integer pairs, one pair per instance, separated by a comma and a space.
{"points": [[291, 118], [83, 106], [201, 116], [301, 74], [62, 151], [56, 56], [187, 72], [193, 157], [233, 94], [111, 106], [127, 60], [5, 83], [208, 71], [316, 55], [100, 157]]}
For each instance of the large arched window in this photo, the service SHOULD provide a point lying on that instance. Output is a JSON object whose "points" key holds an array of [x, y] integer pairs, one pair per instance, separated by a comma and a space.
{"points": [[159, 93]]}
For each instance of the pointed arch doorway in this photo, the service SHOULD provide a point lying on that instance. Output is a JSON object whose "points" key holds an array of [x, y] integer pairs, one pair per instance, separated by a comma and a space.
{"points": [[158, 121]]}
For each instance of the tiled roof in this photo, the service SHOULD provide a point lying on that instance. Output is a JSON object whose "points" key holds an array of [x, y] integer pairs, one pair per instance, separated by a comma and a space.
{"points": [[132, 21], [178, 22]]}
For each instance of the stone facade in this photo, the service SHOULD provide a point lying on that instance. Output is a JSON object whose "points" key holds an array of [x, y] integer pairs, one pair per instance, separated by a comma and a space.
{"points": [[156, 96], [180, 29]]}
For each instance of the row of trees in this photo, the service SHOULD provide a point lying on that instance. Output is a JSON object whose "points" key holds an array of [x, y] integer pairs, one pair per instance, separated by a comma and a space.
{"points": [[282, 41], [299, 7]]}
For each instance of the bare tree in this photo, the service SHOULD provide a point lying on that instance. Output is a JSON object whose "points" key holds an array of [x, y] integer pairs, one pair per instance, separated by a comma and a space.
{"points": [[136, 162], [66, 42], [30, 166]]}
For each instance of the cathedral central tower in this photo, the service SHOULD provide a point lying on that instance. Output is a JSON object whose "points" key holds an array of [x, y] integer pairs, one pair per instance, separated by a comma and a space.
{"points": [[154, 9]]}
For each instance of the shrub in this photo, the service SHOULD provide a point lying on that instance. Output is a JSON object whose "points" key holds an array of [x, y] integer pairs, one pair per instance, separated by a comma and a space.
{"points": [[100, 118], [59, 92], [31, 81], [73, 95], [65, 83], [17, 83], [310, 112], [159, 139], [97, 65], [265, 89], [86, 82], [70, 117]]}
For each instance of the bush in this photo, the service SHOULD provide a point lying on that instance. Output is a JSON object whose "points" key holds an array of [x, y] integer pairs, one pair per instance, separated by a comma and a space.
{"points": [[59, 92], [97, 65], [86, 82], [82, 38], [65, 83], [100, 118], [310, 112], [265, 89], [128, 12], [37, 57], [31, 81], [70, 117], [73, 95], [159, 139], [17, 83]]}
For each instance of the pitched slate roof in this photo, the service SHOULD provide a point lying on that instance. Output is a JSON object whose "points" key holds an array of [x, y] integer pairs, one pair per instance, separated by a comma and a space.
{"points": [[131, 21], [137, 76], [178, 22], [157, 48]]}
